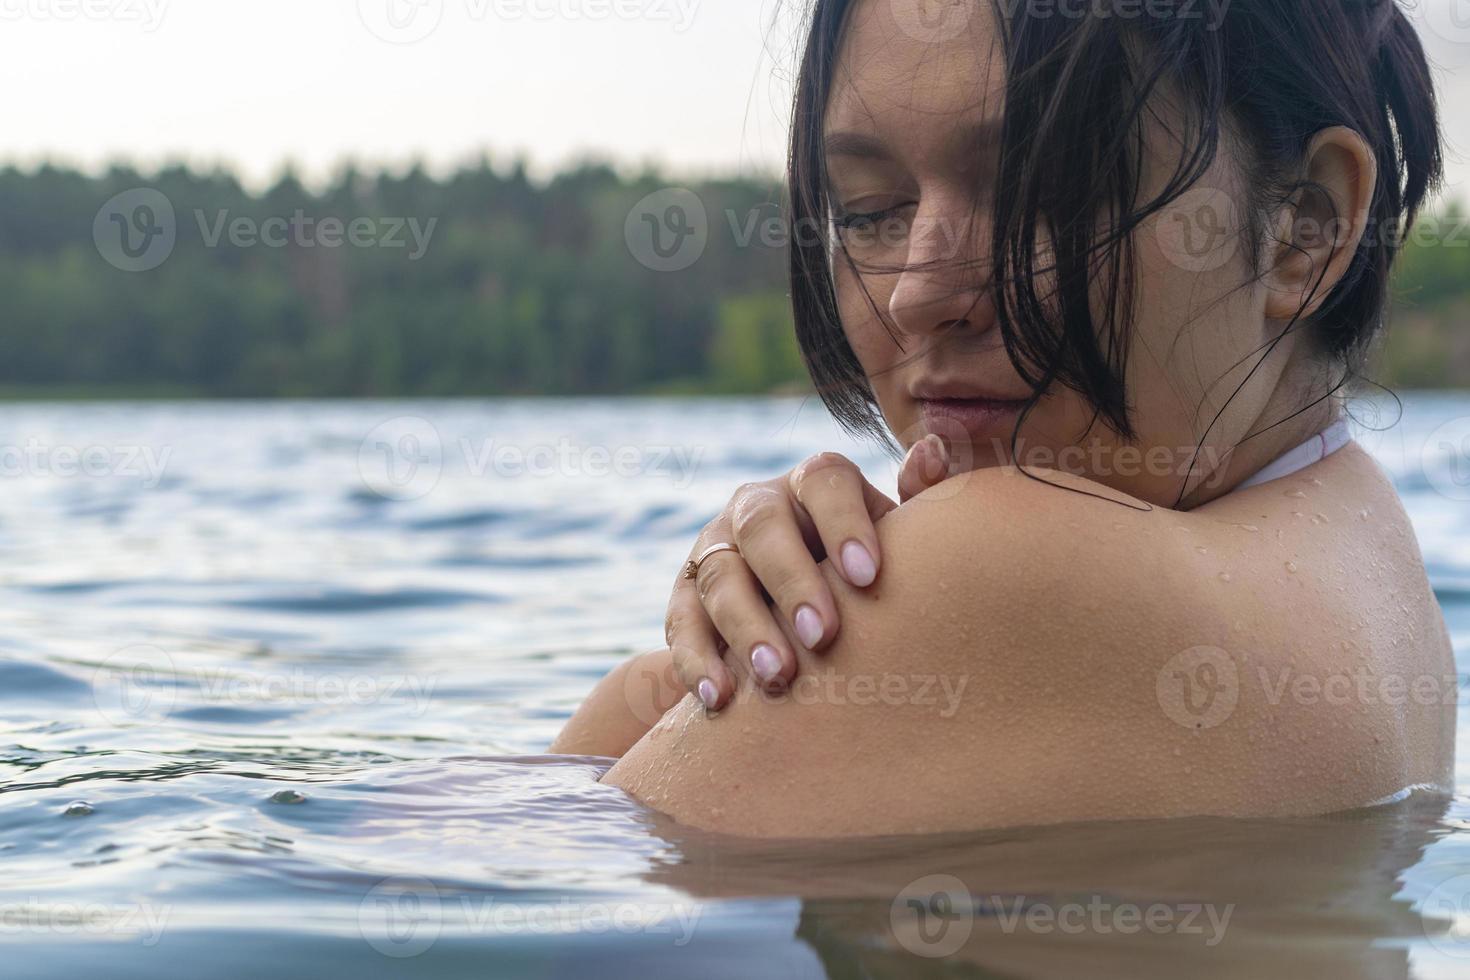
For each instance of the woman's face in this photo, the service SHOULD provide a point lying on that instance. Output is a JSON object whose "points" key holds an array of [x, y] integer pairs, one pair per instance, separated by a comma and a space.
{"points": [[910, 104]]}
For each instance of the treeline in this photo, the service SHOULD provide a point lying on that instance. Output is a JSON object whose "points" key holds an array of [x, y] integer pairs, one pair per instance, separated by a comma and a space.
{"points": [[482, 282]]}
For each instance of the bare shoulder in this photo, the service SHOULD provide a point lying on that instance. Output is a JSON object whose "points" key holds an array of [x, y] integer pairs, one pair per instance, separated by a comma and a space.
{"points": [[1040, 648]]}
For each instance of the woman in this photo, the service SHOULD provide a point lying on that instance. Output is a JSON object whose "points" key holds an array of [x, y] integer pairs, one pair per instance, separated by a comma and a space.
{"points": [[1106, 275]]}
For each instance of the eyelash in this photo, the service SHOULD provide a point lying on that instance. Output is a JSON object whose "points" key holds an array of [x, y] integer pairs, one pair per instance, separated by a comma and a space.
{"points": [[849, 220]]}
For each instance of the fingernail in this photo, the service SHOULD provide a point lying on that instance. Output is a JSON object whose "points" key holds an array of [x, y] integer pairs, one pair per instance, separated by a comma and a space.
{"points": [[808, 626], [858, 564], [934, 462], [766, 661], [708, 693]]}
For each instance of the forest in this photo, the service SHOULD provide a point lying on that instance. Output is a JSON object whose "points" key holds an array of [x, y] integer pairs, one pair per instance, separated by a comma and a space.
{"points": [[480, 281]]}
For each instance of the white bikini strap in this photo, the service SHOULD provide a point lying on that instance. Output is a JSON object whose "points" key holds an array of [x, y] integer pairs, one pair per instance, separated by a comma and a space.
{"points": [[1323, 444]]}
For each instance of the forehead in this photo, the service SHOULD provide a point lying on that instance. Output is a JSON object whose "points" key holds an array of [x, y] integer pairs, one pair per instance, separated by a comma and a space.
{"points": [[909, 71]]}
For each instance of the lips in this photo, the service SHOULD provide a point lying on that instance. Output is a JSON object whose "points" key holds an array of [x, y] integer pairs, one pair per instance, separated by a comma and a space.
{"points": [[978, 417]]}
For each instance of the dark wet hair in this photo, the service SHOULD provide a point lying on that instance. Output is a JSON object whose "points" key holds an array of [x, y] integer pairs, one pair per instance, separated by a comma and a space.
{"points": [[1268, 72]]}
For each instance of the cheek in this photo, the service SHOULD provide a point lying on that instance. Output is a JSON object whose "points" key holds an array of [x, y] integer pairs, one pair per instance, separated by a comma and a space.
{"points": [[865, 330], [1196, 321], [873, 343]]}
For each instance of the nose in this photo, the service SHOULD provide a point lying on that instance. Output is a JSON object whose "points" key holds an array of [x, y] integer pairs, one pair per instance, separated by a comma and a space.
{"points": [[939, 288]]}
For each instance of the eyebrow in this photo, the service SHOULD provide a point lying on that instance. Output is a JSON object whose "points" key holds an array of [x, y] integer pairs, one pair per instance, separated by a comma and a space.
{"points": [[863, 146]]}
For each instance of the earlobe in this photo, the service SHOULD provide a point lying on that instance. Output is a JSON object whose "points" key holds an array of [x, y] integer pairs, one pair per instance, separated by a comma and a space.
{"points": [[1316, 233]]}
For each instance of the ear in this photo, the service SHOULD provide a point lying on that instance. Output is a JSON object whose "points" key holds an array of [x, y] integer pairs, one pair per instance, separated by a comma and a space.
{"points": [[1317, 233]]}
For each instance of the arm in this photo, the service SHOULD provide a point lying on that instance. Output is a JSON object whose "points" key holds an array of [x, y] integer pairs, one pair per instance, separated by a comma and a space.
{"points": [[622, 707], [1007, 673]]}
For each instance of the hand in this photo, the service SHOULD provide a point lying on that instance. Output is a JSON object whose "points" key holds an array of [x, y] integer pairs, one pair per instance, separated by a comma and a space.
{"points": [[823, 508]]}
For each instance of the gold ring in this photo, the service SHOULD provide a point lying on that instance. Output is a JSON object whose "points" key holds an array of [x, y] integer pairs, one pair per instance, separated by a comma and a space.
{"points": [[691, 567]]}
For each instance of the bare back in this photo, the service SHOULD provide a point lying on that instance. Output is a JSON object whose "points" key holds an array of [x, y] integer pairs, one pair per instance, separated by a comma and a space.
{"points": [[1277, 651]]}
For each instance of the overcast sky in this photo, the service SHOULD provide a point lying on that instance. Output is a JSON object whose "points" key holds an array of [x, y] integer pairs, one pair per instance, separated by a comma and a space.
{"points": [[697, 85]]}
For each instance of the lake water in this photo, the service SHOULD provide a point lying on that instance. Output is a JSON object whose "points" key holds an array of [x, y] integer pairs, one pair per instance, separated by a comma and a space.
{"points": [[276, 678]]}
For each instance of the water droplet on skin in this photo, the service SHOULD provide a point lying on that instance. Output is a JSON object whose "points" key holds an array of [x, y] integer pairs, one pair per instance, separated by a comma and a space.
{"points": [[1248, 527], [1202, 550], [77, 808], [1291, 567], [288, 796], [1224, 576], [1296, 493]]}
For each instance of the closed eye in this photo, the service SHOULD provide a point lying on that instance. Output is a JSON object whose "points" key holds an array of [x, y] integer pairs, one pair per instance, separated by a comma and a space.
{"points": [[863, 220]]}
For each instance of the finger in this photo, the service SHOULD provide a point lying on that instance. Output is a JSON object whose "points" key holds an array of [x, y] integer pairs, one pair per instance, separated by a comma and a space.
{"points": [[732, 598], [695, 644], [770, 538], [926, 464], [843, 506]]}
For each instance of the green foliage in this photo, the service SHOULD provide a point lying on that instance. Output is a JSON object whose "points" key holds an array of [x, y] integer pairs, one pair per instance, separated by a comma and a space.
{"points": [[1428, 345], [521, 288]]}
